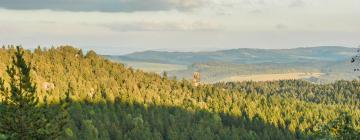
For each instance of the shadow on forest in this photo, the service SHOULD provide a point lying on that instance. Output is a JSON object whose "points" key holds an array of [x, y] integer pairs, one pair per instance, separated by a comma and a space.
{"points": [[117, 120]]}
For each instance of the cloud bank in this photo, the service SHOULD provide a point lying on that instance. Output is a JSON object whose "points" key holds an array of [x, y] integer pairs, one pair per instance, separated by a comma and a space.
{"points": [[102, 5], [163, 26]]}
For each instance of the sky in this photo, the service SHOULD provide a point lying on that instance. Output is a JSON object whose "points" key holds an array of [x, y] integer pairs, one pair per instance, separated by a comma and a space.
{"points": [[125, 26]]}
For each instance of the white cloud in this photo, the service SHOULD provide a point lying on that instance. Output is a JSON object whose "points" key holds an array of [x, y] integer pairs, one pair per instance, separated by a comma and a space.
{"points": [[297, 3], [281, 26], [163, 26], [185, 24]]}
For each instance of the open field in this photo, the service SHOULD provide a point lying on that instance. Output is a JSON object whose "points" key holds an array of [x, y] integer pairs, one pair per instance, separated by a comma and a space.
{"points": [[271, 77]]}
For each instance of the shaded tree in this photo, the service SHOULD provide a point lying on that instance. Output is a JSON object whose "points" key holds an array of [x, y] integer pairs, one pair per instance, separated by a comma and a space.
{"points": [[22, 117], [341, 128]]}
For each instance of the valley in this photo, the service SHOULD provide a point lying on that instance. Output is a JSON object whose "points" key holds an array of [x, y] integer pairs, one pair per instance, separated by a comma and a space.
{"points": [[333, 62], [271, 77], [153, 67]]}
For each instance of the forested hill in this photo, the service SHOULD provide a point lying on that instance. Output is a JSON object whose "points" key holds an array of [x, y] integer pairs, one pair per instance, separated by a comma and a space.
{"points": [[110, 101], [244, 55]]}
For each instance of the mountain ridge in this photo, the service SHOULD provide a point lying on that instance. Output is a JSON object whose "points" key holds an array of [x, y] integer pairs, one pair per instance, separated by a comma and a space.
{"points": [[242, 55]]}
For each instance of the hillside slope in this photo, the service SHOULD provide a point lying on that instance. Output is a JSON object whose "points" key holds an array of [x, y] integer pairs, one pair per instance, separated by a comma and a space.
{"points": [[110, 101]]}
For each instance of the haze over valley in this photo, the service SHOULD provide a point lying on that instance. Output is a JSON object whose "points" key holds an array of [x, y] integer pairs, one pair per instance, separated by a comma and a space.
{"points": [[316, 64]]}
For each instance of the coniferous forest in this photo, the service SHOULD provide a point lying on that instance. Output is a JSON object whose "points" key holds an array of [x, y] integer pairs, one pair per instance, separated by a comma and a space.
{"points": [[64, 93]]}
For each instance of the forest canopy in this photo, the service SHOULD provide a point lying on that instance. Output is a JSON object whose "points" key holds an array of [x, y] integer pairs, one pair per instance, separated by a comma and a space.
{"points": [[111, 101]]}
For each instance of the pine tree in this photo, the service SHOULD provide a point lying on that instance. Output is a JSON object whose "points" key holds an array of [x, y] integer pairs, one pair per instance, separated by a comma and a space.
{"points": [[22, 117], [340, 128]]}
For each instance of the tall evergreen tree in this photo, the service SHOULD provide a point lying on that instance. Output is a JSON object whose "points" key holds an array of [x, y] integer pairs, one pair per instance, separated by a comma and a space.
{"points": [[22, 117]]}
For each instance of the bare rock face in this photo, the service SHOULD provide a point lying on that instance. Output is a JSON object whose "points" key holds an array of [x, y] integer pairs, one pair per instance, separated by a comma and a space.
{"points": [[91, 94], [48, 86], [196, 79]]}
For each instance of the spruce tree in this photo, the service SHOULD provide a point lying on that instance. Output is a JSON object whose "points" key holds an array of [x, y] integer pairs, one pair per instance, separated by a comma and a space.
{"points": [[22, 117]]}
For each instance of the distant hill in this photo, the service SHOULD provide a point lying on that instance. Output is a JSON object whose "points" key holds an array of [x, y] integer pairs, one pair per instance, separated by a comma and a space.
{"points": [[243, 55], [332, 61]]}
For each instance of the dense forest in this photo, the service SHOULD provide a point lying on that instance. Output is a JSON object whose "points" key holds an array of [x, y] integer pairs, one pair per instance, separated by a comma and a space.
{"points": [[110, 101]]}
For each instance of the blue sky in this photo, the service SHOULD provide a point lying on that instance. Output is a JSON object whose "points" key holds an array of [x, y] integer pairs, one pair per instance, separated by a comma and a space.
{"points": [[124, 26]]}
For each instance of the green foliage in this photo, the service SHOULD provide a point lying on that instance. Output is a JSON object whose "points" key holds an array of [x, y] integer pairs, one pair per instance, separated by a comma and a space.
{"points": [[109, 101], [2, 137], [21, 116], [342, 128]]}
